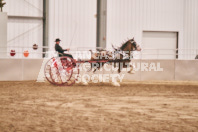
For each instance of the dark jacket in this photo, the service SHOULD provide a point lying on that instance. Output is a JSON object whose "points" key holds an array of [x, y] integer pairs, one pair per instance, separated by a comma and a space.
{"points": [[59, 48], [196, 57]]}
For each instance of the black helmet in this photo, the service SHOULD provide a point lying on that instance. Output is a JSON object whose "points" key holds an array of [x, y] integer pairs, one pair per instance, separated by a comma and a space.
{"points": [[57, 40]]}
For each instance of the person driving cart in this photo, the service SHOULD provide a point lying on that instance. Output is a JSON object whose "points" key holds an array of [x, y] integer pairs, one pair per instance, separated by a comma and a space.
{"points": [[60, 50]]}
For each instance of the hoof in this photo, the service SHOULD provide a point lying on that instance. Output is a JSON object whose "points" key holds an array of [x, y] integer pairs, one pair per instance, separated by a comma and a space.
{"points": [[131, 72], [84, 83], [116, 84]]}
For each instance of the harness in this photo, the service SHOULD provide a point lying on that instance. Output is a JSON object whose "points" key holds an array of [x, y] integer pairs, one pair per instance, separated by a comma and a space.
{"points": [[121, 52]]}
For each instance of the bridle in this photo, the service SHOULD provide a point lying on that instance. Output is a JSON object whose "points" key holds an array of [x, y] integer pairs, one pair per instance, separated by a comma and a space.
{"points": [[133, 43]]}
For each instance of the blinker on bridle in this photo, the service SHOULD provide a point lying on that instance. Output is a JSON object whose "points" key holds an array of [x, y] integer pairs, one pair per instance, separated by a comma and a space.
{"points": [[134, 44]]}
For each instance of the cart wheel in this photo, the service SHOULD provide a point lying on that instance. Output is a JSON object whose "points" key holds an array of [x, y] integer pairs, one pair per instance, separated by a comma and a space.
{"points": [[60, 71]]}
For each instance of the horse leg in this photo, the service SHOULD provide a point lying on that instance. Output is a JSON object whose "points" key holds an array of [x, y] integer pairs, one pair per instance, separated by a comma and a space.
{"points": [[119, 69], [131, 69], [115, 82], [96, 67], [84, 82], [91, 67]]}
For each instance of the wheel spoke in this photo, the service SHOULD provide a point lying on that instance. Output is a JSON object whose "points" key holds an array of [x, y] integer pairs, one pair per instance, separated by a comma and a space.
{"points": [[61, 71]]}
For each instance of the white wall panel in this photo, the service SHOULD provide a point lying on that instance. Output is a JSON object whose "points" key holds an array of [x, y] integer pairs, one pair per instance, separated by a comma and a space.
{"points": [[190, 28], [24, 7], [72, 20], [22, 34], [3, 33], [75, 19], [128, 18]]}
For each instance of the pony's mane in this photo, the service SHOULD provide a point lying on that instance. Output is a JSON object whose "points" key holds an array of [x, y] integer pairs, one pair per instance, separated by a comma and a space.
{"points": [[124, 44]]}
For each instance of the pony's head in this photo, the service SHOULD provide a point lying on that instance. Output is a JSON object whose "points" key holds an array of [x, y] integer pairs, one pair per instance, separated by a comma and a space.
{"points": [[130, 45]]}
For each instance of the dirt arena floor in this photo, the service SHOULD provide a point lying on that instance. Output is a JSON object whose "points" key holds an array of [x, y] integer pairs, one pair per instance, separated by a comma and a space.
{"points": [[135, 106]]}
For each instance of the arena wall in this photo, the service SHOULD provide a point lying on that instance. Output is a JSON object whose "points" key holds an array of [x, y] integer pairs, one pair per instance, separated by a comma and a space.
{"points": [[179, 70], [19, 69], [186, 70], [164, 71]]}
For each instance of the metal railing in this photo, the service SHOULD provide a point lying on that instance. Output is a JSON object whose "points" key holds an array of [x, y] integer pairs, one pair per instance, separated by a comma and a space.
{"points": [[5, 52], [184, 54]]}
